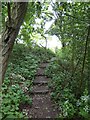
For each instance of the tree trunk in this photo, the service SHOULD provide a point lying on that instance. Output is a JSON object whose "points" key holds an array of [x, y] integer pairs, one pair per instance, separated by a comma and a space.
{"points": [[11, 31], [0, 47], [84, 59], [88, 80]]}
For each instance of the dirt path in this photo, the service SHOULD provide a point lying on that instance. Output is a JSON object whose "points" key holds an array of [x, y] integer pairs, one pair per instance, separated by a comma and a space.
{"points": [[42, 106]]}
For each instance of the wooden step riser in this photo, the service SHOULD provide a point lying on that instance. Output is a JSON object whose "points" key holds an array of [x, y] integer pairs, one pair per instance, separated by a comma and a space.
{"points": [[40, 92], [41, 83]]}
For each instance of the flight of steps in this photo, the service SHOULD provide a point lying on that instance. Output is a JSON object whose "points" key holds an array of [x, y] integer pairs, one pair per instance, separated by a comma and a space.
{"points": [[41, 81], [42, 106]]}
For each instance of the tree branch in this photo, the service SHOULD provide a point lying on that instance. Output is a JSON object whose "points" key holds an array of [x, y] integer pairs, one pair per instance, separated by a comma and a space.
{"points": [[9, 12], [73, 17]]}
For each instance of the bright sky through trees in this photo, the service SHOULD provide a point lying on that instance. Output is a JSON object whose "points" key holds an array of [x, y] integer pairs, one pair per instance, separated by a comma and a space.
{"points": [[53, 41]]}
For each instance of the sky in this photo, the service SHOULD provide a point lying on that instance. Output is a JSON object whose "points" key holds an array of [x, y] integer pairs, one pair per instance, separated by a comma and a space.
{"points": [[52, 41]]}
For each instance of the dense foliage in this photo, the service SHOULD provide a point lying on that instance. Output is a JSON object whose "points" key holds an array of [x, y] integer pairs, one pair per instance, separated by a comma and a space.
{"points": [[63, 92], [18, 79], [71, 81], [69, 67]]}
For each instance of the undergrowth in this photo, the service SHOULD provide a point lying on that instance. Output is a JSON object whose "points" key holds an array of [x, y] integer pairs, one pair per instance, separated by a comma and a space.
{"points": [[18, 81], [63, 94]]}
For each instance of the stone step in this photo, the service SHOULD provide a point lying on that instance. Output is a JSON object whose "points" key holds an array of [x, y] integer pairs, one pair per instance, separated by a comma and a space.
{"points": [[39, 89], [40, 80]]}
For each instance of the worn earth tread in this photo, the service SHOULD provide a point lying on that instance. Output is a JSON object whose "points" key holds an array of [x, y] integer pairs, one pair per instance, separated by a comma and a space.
{"points": [[40, 72], [44, 65], [42, 107]]}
